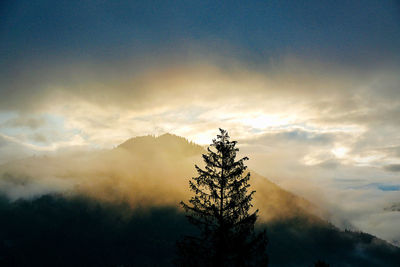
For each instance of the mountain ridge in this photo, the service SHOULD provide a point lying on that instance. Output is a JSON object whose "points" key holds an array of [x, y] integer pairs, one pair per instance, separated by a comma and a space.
{"points": [[153, 172], [269, 192]]}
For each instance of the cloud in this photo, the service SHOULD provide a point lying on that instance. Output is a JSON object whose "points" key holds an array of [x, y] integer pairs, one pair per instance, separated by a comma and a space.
{"points": [[392, 167], [188, 97], [24, 121], [39, 138], [11, 150], [329, 164], [295, 134]]}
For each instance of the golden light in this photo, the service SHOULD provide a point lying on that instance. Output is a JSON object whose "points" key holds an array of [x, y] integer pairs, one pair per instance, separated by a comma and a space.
{"points": [[340, 151]]}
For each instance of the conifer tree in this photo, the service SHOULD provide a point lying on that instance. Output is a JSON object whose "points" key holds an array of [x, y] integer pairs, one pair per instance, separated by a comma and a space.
{"points": [[220, 209], [320, 263]]}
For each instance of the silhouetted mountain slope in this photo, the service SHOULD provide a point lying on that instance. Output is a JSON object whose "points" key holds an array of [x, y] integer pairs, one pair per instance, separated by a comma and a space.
{"points": [[55, 230], [120, 206]]}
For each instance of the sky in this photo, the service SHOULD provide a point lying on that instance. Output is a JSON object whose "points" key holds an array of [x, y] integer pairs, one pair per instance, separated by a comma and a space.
{"points": [[310, 89]]}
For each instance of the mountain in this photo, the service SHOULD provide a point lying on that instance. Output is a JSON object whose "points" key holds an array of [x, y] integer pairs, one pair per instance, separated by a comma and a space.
{"points": [[170, 144], [177, 155], [122, 205]]}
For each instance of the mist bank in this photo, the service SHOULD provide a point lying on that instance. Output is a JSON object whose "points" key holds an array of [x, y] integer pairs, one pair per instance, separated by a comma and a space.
{"points": [[143, 171]]}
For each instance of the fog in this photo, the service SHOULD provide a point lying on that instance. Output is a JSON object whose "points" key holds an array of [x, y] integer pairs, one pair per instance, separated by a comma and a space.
{"points": [[145, 171]]}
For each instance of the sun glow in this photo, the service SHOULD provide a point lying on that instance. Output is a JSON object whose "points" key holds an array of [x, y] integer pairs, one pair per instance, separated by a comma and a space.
{"points": [[340, 151], [263, 121]]}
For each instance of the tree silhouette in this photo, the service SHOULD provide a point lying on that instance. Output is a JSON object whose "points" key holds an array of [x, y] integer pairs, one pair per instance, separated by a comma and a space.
{"points": [[220, 209], [320, 263]]}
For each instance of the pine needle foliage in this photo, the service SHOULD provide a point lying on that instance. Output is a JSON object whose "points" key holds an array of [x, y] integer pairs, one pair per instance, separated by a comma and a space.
{"points": [[221, 210]]}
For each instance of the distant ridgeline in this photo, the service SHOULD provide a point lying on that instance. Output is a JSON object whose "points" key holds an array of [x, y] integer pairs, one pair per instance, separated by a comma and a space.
{"points": [[166, 143], [120, 207]]}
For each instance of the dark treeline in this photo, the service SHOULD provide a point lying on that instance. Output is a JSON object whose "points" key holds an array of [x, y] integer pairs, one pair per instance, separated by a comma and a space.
{"points": [[53, 230]]}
